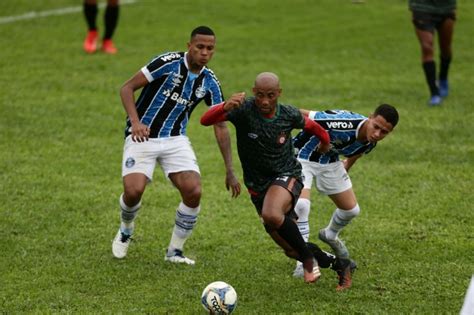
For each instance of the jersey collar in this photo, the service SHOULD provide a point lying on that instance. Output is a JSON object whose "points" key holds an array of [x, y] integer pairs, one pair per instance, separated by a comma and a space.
{"points": [[187, 66]]}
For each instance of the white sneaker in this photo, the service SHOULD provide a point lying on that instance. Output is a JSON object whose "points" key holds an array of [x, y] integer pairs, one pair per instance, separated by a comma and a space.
{"points": [[298, 272], [178, 258], [336, 244], [120, 244]]}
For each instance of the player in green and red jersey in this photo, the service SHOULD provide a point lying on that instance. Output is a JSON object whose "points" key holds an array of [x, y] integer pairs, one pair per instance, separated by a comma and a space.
{"points": [[271, 172]]}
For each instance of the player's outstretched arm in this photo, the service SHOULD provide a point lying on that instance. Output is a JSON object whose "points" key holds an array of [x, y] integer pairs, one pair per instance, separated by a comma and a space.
{"points": [[218, 113], [315, 129], [214, 115]]}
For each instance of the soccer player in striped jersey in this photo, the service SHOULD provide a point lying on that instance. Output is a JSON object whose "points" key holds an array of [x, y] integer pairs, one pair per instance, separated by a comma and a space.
{"points": [[172, 84], [352, 135], [271, 172]]}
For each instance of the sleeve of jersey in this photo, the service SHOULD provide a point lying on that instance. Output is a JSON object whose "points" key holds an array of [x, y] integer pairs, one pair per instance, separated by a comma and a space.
{"points": [[154, 69], [214, 95], [315, 129], [214, 115]]}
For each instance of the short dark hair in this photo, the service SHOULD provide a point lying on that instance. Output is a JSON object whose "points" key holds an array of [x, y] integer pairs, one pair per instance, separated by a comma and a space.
{"points": [[203, 30], [388, 112]]}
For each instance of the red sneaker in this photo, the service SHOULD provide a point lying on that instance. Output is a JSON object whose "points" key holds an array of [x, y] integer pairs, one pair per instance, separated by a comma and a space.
{"points": [[108, 47], [90, 43]]}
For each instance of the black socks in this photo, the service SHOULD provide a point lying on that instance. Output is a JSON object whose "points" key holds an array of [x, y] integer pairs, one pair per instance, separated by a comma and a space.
{"points": [[429, 68]]}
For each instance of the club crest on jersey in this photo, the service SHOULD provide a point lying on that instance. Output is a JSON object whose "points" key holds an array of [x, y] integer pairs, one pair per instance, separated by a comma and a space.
{"points": [[130, 162], [281, 138], [200, 92]]}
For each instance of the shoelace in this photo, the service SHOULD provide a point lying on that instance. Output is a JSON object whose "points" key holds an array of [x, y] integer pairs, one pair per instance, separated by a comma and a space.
{"points": [[179, 253], [124, 237]]}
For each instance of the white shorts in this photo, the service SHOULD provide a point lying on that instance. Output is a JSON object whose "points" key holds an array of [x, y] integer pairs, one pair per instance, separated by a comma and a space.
{"points": [[174, 154], [330, 178]]}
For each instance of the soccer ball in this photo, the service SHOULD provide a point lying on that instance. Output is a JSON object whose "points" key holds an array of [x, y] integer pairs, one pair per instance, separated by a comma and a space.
{"points": [[219, 298]]}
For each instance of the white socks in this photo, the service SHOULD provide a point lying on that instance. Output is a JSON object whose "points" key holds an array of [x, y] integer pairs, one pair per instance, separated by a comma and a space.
{"points": [[186, 219], [302, 210], [127, 215], [339, 220]]}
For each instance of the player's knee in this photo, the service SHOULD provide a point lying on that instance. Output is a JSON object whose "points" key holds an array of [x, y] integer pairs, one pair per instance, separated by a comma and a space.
{"points": [[271, 219], [132, 194], [302, 209], [427, 49], [191, 195]]}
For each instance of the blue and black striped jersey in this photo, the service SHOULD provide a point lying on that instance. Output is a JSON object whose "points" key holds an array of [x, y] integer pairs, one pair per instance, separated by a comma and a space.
{"points": [[167, 101], [343, 127]]}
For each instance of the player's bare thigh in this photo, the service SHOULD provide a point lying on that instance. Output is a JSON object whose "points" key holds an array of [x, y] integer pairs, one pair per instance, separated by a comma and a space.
{"points": [[133, 186], [345, 200], [278, 201], [445, 35]]}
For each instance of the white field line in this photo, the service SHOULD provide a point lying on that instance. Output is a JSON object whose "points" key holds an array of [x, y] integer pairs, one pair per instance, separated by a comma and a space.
{"points": [[61, 11]]}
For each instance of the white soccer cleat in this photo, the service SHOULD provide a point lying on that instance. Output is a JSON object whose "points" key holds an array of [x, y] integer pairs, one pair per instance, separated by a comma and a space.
{"points": [[298, 272], [178, 258], [336, 244], [120, 244]]}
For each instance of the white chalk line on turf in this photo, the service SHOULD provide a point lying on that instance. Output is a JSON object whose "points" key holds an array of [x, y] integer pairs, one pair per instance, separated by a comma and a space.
{"points": [[40, 14]]}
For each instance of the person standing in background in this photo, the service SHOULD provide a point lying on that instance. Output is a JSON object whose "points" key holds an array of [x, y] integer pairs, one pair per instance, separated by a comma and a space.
{"points": [[428, 16], [111, 16]]}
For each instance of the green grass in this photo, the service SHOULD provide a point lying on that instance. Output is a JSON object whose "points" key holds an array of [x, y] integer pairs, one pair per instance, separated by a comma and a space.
{"points": [[61, 127]]}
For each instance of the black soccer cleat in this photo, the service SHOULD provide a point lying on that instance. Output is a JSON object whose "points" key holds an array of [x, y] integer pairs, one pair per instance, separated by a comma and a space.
{"points": [[325, 259]]}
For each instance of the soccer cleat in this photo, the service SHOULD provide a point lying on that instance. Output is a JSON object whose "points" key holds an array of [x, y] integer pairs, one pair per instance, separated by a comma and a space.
{"points": [[344, 269], [443, 88], [298, 272], [435, 100], [120, 244], [108, 47], [90, 43], [324, 259], [336, 244], [178, 258]]}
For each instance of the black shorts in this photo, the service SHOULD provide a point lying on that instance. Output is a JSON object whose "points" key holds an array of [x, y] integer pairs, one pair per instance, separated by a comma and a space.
{"points": [[293, 184], [429, 22]]}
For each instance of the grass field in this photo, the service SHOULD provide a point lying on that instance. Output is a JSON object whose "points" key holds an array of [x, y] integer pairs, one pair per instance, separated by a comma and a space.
{"points": [[61, 127]]}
